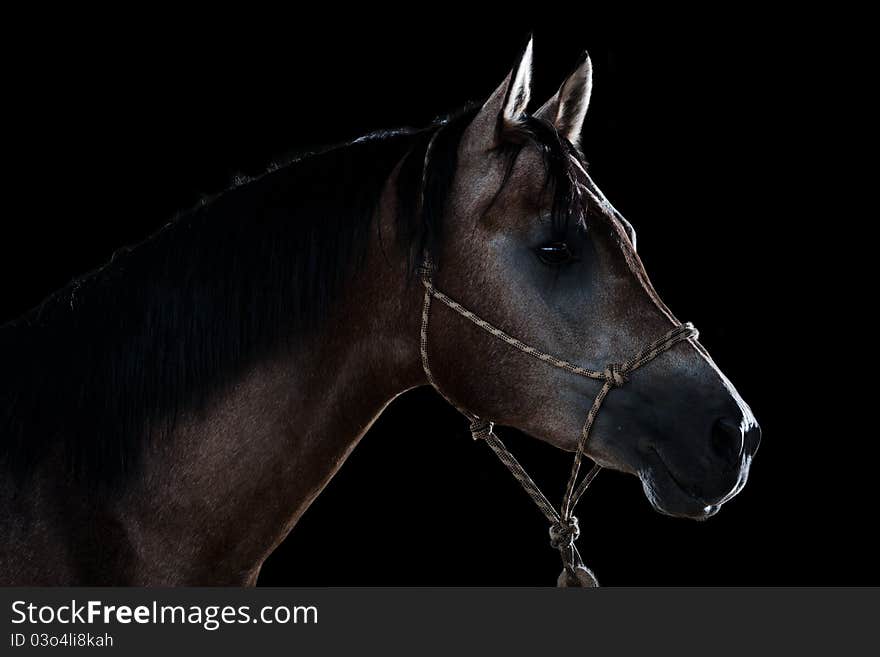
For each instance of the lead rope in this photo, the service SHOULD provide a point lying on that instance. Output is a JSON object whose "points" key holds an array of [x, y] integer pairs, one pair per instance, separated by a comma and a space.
{"points": [[564, 529]]}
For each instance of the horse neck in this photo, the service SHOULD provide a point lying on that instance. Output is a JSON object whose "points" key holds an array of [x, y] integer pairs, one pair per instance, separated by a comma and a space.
{"points": [[214, 501]]}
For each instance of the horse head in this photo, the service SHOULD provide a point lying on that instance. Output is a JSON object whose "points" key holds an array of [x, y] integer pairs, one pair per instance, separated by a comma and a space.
{"points": [[531, 245]]}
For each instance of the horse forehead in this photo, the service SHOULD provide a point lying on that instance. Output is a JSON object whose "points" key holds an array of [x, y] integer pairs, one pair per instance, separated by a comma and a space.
{"points": [[522, 168], [617, 221], [529, 177], [597, 198], [529, 172]]}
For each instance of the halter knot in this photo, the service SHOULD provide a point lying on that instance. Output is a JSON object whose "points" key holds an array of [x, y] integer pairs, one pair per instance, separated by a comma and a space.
{"points": [[614, 375], [564, 533], [690, 331], [480, 429], [426, 270]]}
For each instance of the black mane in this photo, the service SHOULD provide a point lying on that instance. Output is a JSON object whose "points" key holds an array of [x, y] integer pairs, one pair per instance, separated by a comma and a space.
{"points": [[107, 364]]}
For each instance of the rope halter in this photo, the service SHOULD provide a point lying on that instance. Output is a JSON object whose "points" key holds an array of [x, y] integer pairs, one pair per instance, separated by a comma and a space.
{"points": [[564, 529]]}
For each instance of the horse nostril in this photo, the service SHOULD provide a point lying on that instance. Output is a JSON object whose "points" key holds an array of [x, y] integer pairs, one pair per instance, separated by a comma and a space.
{"points": [[753, 439], [727, 439]]}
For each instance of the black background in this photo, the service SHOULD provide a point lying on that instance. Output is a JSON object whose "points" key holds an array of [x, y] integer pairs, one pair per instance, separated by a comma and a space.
{"points": [[697, 132]]}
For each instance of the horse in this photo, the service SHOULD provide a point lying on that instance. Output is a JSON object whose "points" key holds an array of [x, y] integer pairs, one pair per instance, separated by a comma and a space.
{"points": [[168, 418]]}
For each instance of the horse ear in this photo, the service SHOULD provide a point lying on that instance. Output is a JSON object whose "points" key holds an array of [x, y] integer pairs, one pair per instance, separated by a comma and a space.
{"points": [[505, 106], [567, 109]]}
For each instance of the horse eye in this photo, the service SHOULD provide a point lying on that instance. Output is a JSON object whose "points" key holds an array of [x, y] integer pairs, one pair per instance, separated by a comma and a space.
{"points": [[555, 253]]}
